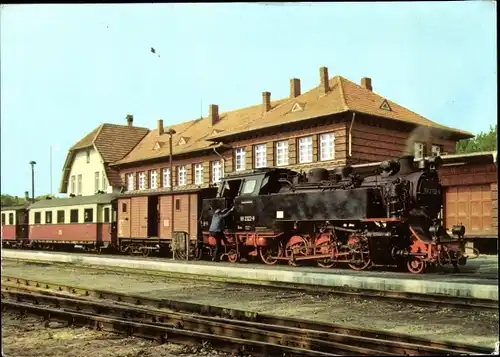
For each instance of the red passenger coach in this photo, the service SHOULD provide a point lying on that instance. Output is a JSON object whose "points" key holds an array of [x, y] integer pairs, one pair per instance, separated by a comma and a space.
{"points": [[85, 222], [14, 225]]}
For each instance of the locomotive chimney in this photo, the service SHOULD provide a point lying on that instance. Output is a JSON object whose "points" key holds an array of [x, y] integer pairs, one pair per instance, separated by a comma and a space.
{"points": [[406, 164]]}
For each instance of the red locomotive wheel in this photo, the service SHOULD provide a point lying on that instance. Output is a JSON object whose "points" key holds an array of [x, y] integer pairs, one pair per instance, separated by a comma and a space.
{"points": [[416, 265], [232, 256], [267, 254], [327, 263], [361, 265], [299, 245]]}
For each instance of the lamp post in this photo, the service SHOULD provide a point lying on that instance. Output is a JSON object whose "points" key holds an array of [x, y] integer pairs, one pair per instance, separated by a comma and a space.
{"points": [[171, 132], [32, 163]]}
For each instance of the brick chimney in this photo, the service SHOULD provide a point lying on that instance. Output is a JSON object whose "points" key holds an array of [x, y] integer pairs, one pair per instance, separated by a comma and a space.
{"points": [[130, 120], [323, 79], [161, 130], [366, 83], [266, 101], [213, 114], [294, 87]]}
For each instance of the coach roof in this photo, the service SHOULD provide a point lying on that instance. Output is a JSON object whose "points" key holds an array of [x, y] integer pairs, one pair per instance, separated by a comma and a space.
{"points": [[75, 201]]}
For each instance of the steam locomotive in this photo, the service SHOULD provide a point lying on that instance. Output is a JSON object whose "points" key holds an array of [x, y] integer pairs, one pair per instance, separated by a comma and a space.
{"points": [[390, 218]]}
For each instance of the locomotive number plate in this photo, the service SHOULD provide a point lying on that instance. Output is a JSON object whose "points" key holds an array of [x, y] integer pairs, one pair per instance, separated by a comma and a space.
{"points": [[247, 218]]}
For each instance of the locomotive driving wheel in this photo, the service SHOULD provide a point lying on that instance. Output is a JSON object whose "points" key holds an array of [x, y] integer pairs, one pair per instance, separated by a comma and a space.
{"points": [[297, 249], [360, 253], [415, 265], [328, 262], [268, 254], [232, 256]]}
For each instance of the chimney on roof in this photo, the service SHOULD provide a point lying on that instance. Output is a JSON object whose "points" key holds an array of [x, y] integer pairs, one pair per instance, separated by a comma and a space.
{"points": [[130, 120], [27, 196], [266, 101], [294, 87], [323, 78], [161, 130], [213, 114], [366, 83]]}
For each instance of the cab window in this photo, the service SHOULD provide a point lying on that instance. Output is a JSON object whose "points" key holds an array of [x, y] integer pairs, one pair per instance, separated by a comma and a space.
{"points": [[248, 187]]}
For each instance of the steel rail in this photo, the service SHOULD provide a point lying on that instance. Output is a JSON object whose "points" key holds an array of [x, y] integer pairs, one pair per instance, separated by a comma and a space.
{"points": [[245, 317], [426, 300]]}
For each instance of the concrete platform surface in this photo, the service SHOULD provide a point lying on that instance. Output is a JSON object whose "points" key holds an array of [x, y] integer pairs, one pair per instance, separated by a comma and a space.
{"points": [[471, 285]]}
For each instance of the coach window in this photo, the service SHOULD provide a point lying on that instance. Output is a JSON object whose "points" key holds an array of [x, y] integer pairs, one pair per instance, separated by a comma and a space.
{"points": [[177, 204], [248, 187], [106, 215], [11, 218], [124, 207], [88, 215], [38, 217], [60, 216], [48, 217], [3, 219], [73, 216]]}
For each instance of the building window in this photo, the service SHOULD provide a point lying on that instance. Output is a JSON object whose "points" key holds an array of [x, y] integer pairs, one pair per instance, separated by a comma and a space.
{"points": [[181, 175], [60, 216], [142, 180], [38, 217], [177, 204], [73, 184], [130, 182], [436, 150], [305, 150], [240, 159], [104, 182], [260, 156], [88, 156], [282, 153], [48, 217], [80, 183], [3, 219], [106, 215], [216, 171], [88, 215], [96, 181], [153, 179], [198, 174], [11, 218], [418, 150], [327, 146], [166, 177], [73, 216]]}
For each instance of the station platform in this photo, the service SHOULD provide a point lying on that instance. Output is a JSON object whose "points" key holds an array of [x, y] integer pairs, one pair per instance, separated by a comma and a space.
{"points": [[478, 279]]}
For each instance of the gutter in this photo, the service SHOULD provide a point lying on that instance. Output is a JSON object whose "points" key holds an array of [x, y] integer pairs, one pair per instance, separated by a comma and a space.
{"points": [[350, 136]]}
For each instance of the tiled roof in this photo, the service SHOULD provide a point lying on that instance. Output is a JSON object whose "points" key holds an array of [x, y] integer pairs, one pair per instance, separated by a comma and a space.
{"points": [[113, 142], [195, 134], [343, 96]]}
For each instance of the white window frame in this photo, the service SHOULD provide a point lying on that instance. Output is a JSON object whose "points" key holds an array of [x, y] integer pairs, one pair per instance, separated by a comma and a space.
{"points": [[436, 150], [96, 181], [73, 184], [260, 156], [141, 180], [153, 179], [282, 153], [80, 185], [305, 149], [181, 176], [198, 174], [327, 146], [418, 150], [239, 159], [104, 182], [166, 177], [130, 182], [216, 171]]}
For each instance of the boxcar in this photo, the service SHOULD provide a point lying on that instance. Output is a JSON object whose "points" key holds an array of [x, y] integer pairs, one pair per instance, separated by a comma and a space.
{"points": [[155, 221], [14, 225], [85, 222]]}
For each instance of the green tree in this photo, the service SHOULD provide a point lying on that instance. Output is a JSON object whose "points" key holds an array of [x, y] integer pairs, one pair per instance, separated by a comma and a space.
{"points": [[9, 200], [481, 142]]}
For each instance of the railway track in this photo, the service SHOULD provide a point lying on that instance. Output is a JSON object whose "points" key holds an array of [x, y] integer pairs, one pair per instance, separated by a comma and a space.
{"points": [[425, 300], [225, 329]]}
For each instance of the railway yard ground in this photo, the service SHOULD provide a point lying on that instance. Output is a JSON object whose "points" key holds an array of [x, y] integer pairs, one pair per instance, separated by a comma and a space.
{"points": [[26, 337]]}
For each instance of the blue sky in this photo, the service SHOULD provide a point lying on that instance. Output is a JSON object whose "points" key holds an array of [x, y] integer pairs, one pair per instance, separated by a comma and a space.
{"points": [[65, 69]]}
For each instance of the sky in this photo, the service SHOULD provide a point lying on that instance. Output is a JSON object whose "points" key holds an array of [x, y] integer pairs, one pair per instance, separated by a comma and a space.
{"points": [[65, 69]]}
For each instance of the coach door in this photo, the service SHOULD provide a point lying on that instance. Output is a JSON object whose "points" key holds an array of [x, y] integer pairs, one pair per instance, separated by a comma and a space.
{"points": [[139, 217], [124, 218], [22, 226]]}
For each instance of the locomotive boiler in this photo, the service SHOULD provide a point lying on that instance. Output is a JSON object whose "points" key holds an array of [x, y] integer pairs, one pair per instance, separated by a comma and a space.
{"points": [[392, 217]]}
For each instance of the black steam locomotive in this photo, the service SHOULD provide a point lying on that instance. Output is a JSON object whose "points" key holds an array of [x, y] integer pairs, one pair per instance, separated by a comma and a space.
{"points": [[390, 217]]}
